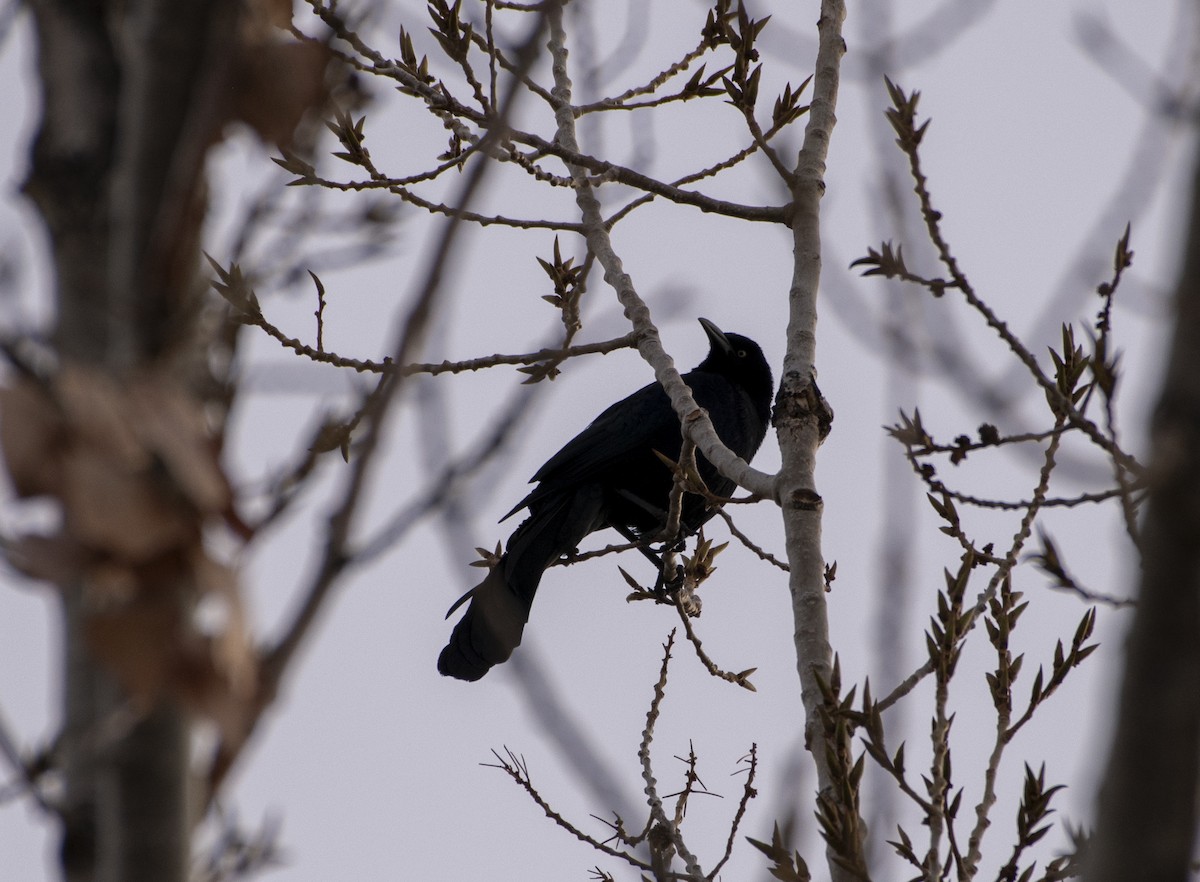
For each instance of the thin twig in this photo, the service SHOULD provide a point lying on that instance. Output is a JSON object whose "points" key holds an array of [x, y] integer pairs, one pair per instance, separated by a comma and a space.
{"points": [[748, 793], [749, 543], [337, 551], [443, 104], [658, 815], [741, 678], [618, 102], [446, 483], [1003, 573], [516, 769], [27, 772], [760, 140], [615, 548], [367, 366], [903, 117], [906, 685]]}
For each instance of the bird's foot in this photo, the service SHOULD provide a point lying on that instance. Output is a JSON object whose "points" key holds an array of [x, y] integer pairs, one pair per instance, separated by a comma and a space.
{"points": [[689, 603], [675, 590], [666, 587]]}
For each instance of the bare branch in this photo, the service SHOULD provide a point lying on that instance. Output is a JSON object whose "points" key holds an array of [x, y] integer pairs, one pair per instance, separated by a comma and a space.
{"points": [[741, 678], [337, 549], [515, 767], [649, 345], [658, 817]]}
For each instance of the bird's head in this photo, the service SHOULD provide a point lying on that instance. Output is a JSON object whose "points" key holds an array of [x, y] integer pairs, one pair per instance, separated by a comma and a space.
{"points": [[741, 360]]}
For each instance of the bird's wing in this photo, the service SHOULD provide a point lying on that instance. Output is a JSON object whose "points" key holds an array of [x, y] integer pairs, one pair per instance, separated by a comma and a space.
{"points": [[629, 428]]}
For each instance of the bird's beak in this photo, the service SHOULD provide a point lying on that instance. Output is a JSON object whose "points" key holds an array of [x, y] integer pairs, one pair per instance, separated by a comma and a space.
{"points": [[716, 336]]}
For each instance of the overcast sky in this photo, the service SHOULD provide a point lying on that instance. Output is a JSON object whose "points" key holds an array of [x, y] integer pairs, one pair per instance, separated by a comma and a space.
{"points": [[1045, 140]]}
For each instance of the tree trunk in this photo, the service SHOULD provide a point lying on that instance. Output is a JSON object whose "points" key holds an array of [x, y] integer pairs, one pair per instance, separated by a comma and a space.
{"points": [[129, 111], [1146, 823]]}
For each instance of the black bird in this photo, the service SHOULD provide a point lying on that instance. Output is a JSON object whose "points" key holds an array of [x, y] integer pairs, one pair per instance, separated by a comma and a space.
{"points": [[608, 476]]}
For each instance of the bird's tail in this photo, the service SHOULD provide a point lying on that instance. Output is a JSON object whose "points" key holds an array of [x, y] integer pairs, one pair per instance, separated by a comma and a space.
{"points": [[492, 626], [489, 631]]}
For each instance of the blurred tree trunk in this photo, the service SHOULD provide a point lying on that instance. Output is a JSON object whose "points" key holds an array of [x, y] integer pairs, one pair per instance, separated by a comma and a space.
{"points": [[129, 109], [1146, 823]]}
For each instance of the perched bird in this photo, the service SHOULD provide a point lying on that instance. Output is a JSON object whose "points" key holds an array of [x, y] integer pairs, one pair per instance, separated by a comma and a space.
{"points": [[609, 476]]}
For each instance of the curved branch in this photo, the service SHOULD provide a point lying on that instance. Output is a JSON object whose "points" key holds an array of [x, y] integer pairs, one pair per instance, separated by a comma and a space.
{"points": [[699, 427]]}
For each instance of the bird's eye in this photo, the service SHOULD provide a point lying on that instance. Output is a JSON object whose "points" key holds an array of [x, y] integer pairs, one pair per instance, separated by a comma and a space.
{"points": [[741, 353]]}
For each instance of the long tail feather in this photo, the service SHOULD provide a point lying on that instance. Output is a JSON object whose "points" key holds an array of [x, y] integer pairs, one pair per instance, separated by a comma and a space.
{"points": [[489, 631], [492, 626]]}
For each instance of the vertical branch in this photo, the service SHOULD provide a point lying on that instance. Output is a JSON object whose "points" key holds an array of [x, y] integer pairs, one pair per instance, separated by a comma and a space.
{"points": [[700, 428], [810, 186], [116, 175], [1146, 824], [664, 837], [1005, 618], [801, 414], [940, 782]]}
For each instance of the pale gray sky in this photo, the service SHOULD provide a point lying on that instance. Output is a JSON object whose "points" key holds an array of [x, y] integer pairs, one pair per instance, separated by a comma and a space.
{"points": [[371, 760]]}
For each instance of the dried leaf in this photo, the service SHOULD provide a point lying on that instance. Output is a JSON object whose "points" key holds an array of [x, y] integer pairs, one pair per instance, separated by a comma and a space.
{"points": [[171, 424], [265, 14], [31, 436], [219, 676], [138, 641], [54, 559], [121, 512], [277, 84], [97, 415], [233, 651]]}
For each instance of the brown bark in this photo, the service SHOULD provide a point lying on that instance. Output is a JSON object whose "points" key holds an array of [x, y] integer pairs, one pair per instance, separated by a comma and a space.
{"points": [[1147, 808], [129, 112]]}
